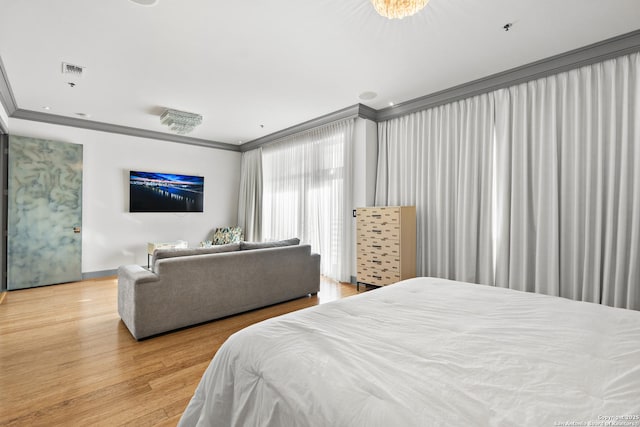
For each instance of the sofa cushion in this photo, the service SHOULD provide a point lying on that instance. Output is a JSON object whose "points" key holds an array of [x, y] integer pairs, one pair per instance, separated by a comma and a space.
{"points": [[262, 245], [171, 253]]}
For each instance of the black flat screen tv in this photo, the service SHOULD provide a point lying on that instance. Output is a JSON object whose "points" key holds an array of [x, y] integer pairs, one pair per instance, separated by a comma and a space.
{"points": [[165, 192]]}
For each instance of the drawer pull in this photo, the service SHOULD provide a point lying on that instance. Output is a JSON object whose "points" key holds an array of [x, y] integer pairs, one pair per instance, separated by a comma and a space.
{"points": [[376, 215], [376, 262], [377, 246], [376, 231], [377, 277]]}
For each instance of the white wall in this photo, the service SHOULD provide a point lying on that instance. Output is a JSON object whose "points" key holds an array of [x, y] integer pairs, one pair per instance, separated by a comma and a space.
{"points": [[365, 157], [112, 236]]}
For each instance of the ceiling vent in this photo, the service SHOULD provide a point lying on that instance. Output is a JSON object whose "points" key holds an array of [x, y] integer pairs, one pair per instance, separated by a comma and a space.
{"points": [[72, 70]]}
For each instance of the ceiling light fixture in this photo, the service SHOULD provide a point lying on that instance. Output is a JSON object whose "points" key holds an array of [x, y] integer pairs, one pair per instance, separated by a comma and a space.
{"points": [[398, 9], [180, 122]]}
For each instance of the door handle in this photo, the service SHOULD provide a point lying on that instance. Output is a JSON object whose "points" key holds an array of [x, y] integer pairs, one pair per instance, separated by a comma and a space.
{"points": [[76, 230]]}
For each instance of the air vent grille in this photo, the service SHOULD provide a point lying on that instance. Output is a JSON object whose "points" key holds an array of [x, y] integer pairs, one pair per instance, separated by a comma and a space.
{"points": [[74, 70]]}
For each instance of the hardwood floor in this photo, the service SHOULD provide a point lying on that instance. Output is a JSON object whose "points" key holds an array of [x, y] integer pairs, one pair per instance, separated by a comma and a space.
{"points": [[66, 358]]}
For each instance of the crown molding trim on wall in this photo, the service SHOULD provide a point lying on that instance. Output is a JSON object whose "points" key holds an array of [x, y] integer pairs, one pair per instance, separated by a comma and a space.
{"points": [[345, 113], [13, 111], [367, 112], [357, 110], [123, 130], [597, 52], [7, 99]]}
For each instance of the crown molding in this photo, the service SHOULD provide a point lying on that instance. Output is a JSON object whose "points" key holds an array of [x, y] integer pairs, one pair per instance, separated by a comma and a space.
{"points": [[13, 111], [123, 130], [597, 52], [345, 113], [366, 112], [7, 99], [357, 110]]}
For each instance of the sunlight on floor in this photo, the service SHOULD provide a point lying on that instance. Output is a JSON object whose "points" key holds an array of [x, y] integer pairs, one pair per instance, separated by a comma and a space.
{"points": [[331, 290]]}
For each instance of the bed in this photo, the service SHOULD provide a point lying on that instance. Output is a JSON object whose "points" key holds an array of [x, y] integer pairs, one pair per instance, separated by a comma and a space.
{"points": [[428, 352]]}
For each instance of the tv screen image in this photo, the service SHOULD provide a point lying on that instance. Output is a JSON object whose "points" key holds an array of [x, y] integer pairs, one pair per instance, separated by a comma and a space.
{"points": [[165, 192]]}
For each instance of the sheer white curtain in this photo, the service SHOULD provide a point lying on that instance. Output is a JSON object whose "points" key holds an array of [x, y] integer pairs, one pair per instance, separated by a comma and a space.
{"points": [[569, 146], [441, 161], [250, 195], [307, 193]]}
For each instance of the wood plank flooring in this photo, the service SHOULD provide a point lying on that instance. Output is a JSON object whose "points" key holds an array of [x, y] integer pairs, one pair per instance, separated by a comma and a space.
{"points": [[67, 359]]}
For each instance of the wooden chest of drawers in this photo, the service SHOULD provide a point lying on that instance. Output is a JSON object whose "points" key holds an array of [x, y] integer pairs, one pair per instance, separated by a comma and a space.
{"points": [[386, 244]]}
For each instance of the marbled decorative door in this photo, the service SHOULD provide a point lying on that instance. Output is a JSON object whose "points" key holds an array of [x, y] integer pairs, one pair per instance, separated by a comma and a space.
{"points": [[44, 241]]}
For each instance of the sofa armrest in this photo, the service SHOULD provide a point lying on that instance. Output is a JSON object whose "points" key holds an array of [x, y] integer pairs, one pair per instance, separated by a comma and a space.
{"points": [[129, 276], [315, 271], [135, 274]]}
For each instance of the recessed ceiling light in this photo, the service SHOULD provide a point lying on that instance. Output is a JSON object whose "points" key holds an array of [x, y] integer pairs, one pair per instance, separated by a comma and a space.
{"points": [[46, 108], [391, 104], [148, 3], [83, 115], [367, 95]]}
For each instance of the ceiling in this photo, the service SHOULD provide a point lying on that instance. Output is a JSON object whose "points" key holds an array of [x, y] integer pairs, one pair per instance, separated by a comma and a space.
{"points": [[252, 68]]}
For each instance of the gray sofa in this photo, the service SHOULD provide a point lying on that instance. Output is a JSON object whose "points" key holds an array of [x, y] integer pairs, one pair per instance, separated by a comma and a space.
{"points": [[191, 286]]}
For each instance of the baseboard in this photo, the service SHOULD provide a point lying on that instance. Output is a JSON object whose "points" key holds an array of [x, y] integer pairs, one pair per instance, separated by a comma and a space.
{"points": [[2, 295], [99, 274]]}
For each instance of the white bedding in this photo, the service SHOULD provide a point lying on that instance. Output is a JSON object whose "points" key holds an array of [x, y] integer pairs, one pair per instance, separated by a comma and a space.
{"points": [[428, 352]]}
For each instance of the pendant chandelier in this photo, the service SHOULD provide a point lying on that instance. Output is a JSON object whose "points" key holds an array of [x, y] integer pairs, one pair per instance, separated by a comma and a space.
{"points": [[398, 9]]}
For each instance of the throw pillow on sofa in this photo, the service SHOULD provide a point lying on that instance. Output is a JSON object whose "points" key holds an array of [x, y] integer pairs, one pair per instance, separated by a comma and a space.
{"points": [[244, 246], [224, 235]]}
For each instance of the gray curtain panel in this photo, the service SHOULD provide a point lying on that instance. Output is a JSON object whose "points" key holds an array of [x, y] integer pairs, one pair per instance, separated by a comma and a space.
{"points": [[569, 182], [441, 161], [534, 187], [250, 195]]}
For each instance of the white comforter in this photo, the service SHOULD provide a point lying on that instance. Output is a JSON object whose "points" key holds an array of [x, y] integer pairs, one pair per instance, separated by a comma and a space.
{"points": [[428, 352]]}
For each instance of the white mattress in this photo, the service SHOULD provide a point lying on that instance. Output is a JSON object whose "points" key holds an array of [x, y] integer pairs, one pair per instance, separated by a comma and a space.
{"points": [[428, 352]]}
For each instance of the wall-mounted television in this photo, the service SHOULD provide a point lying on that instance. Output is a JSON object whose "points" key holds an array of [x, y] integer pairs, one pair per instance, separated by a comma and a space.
{"points": [[165, 192]]}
